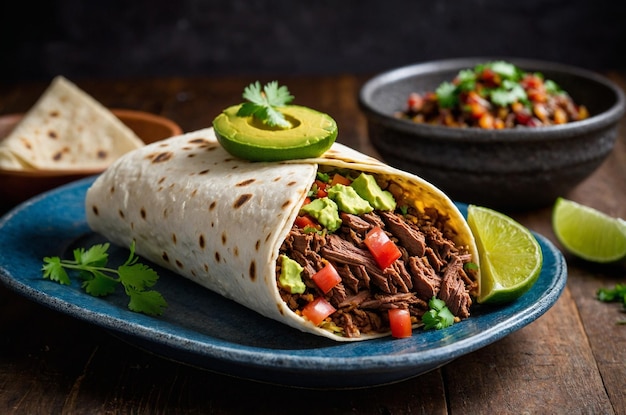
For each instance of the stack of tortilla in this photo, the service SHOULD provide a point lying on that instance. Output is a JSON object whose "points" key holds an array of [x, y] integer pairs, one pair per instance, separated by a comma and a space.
{"points": [[66, 129]]}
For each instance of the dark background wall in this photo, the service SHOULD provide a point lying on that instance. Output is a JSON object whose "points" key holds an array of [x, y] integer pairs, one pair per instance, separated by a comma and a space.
{"points": [[87, 39]]}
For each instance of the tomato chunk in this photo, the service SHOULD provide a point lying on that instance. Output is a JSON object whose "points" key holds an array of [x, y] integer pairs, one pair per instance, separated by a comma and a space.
{"points": [[326, 278], [321, 189], [383, 249], [339, 179], [400, 322], [304, 221], [317, 310]]}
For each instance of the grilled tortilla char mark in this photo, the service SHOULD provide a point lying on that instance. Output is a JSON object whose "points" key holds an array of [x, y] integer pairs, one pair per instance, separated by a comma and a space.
{"points": [[431, 265]]}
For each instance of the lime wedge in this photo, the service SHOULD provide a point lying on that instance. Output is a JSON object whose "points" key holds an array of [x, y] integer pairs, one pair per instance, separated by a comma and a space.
{"points": [[510, 256], [589, 233]]}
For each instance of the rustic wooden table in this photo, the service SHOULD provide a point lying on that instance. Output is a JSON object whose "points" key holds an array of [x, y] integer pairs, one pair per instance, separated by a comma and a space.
{"points": [[572, 360]]}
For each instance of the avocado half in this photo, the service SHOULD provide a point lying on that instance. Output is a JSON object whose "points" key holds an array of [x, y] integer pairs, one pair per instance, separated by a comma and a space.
{"points": [[311, 134]]}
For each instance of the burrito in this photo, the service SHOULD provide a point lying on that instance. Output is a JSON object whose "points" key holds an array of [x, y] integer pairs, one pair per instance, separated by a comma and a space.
{"points": [[260, 233]]}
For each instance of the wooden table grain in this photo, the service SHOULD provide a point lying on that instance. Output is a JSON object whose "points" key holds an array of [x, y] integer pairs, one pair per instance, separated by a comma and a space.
{"points": [[572, 360]]}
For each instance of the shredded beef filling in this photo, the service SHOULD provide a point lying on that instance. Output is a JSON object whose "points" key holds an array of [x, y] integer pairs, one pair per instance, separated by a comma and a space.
{"points": [[431, 265]]}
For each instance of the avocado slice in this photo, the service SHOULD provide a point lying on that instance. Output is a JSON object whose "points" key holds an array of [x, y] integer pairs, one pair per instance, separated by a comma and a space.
{"points": [[311, 134]]}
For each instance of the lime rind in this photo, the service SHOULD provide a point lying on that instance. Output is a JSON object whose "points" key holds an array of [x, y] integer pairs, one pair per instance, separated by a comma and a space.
{"points": [[510, 256], [588, 233]]}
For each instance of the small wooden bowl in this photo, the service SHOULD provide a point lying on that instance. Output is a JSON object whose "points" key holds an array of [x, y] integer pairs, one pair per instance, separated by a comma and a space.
{"points": [[15, 187]]}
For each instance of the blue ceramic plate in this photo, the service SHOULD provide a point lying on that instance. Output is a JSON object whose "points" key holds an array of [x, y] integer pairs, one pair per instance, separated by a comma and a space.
{"points": [[205, 330]]}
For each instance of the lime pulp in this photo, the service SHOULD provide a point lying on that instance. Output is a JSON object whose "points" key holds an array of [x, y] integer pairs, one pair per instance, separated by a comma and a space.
{"points": [[510, 256]]}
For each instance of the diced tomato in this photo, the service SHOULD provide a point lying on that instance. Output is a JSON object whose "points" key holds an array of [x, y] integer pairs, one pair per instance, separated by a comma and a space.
{"points": [[523, 117], [415, 102], [400, 322], [339, 179], [474, 98], [534, 122], [321, 189], [537, 95], [531, 81], [490, 78], [477, 110], [383, 249], [305, 220], [317, 310], [326, 278]]}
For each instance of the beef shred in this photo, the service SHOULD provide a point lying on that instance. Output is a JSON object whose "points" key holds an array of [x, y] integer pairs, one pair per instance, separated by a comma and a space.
{"points": [[430, 265]]}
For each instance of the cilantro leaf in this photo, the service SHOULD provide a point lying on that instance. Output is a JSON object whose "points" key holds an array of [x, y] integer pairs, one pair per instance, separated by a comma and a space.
{"points": [[505, 69], [99, 285], [439, 316], [149, 302], [615, 294], [54, 271], [323, 177], [466, 80], [263, 103], [96, 256], [509, 93], [90, 265], [138, 276], [446, 95], [552, 87]]}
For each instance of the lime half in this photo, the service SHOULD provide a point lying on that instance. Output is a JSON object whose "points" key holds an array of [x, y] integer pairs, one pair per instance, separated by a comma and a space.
{"points": [[588, 233], [510, 256]]}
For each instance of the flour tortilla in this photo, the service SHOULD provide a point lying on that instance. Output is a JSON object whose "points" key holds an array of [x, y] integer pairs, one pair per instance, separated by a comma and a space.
{"points": [[220, 221], [66, 129]]}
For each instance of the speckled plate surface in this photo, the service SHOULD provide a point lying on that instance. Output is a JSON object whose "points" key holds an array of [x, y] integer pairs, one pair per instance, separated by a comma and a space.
{"points": [[205, 330]]}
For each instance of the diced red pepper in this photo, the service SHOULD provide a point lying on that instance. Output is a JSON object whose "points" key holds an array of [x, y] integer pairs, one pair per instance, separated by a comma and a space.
{"points": [[339, 179], [523, 117], [383, 249], [415, 102], [321, 189], [304, 221], [477, 110], [326, 278], [317, 310], [531, 81], [490, 78], [537, 95], [400, 322]]}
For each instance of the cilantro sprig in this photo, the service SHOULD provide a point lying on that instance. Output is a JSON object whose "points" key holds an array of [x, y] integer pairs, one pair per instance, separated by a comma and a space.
{"points": [[264, 103], [439, 316], [508, 92], [98, 280], [615, 294]]}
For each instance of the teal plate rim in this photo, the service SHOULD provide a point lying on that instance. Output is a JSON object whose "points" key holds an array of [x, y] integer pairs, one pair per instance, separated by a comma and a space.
{"points": [[203, 329]]}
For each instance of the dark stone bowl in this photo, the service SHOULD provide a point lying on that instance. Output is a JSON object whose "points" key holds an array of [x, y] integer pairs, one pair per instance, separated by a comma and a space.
{"points": [[511, 169]]}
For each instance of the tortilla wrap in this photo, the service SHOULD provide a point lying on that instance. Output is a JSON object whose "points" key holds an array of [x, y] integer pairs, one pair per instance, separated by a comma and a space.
{"points": [[220, 221], [66, 129]]}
